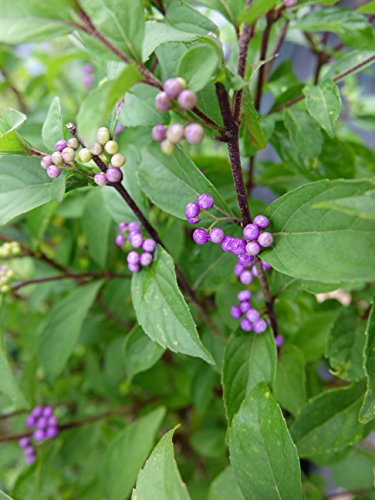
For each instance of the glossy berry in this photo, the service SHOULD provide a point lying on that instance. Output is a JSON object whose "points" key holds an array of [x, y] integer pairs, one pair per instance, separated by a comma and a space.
{"points": [[134, 268], [162, 102], [265, 239], [120, 240], [266, 266], [253, 315], [175, 133], [167, 147], [260, 326], [111, 147], [192, 210], [159, 133], [174, 86], [85, 155], [42, 422], [194, 133], [236, 312], [245, 259], [53, 171], [29, 450], [57, 158], [238, 269], [30, 421], [46, 161], [226, 244], [52, 421], [39, 435], [254, 270], [24, 442], [246, 325], [246, 277], [102, 135], [216, 235], [68, 154], [238, 246], [279, 340], [187, 99], [100, 179], [96, 149], [134, 227], [60, 145], [73, 143], [52, 432], [133, 234], [146, 259], [261, 221], [245, 307], [200, 236], [113, 174], [251, 232], [205, 201], [136, 241], [123, 226], [193, 220], [244, 295], [149, 246], [133, 257], [253, 248]]}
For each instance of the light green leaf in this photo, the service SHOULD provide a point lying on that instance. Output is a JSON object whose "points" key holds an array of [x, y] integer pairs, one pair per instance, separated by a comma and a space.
{"points": [[248, 360], [157, 34], [139, 108], [162, 311], [329, 423], [52, 130], [367, 412], [304, 133], [140, 353], [4, 496], [61, 331], [231, 9], [367, 8], [290, 383], [262, 453], [24, 185], [348, 60], [345, 346], [96, 224], [10, 141], [185, 18], [256, 10], [317, 244], [357, 206], [173, 181], [160, 478], [198, 66], [323, 103], [126, 455], [225, 486]]}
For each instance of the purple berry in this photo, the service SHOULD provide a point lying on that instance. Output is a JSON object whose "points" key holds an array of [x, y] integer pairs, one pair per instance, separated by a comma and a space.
{"points": [[24, 442], [42, 423], [253, 315], [29, 450], [254, 270], [187, 99], [48, 411], [252, 248], [236, 312], [120, 240], [37, 412], [244, 295], [174, 86], [245, 259], [137, 240], [260, 326], [60, 145], [162, 102], [39, 435], [261, 221], [123, 226], [30, 421], [30, 459], [290, 3], [266, 266], [52, 432], [238, 246], [113, 174], [192, 210], [159, 133], [134, 227], [46, 161], [200, 236], [132, 234], [205, 201], [100, 179], [175, 133], [146, 259], [53, 171], [216, 235], [134, 268], [193, 220], [245, 307], [279, 340], [246, 325], [246, 278], [52, 421], [133, 257], [149, 245], [238, 269], [251, 232], [194, 133], [265, 239], [226, 244]]}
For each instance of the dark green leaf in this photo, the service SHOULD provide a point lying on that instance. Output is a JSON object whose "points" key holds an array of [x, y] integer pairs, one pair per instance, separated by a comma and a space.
{"points": [[290, 383], [251, 120], [367, 412], [225, 486], [323, 103], [256, 10], [304, 133], [96, 225]]}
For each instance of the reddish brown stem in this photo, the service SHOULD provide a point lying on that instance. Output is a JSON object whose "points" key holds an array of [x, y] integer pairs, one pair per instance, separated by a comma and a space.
{"points": [[263, 56]]}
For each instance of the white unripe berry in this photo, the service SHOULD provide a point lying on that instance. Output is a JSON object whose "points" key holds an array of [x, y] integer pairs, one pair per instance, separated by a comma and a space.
{"points": [[167, 147], [118, 160], [102, 135], [85, 155], [111, 147], [175, 133], [68, 154], [96, 149], [73, 143], [57, 158]]}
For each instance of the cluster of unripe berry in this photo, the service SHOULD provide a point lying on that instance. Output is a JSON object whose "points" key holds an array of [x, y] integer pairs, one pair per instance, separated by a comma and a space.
{"points": [[249, 316], [44, 425], [133, 233], [65, 152], [10, 249], [6, 274], [169, 137]]}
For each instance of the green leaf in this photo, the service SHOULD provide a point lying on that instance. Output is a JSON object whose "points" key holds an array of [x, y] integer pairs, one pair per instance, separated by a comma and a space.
{"points": [[355, 471], [351, 27], [185, 18], [160, 478], [367, 412], [140, 353], [52, 130], [121, 21], [329, 423], [348, 60], [256, 10], [225, 486], [61, 331], [10, 141], [96, 224], [290, 383], [173, 181], [139, 108], [304, 133], [198, 66], [323, 103], [157, 34], [126, 455], [357, 206], [4, 496], [162, 311], [345, 346], [24, 185], [313, 333], [317, 244], [368, 8], [231, 9], [262, 453], [248, 360], [251, 119]]}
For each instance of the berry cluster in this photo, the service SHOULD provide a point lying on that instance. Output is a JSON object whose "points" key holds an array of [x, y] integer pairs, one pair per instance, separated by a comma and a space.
{"points": [[251, 319], [6, 275], [175, 88], [192, 211], [64, 153], [10, 249], [44, 424], [136, 260]]}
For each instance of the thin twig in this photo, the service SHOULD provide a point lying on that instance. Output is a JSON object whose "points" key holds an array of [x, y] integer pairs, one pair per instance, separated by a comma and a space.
{"points": [[263, 56]]}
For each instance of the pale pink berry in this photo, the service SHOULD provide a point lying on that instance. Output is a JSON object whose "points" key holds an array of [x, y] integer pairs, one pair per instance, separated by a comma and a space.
{"points": [[100, 179], [53, 171], [113, 174], [194, 133]]}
